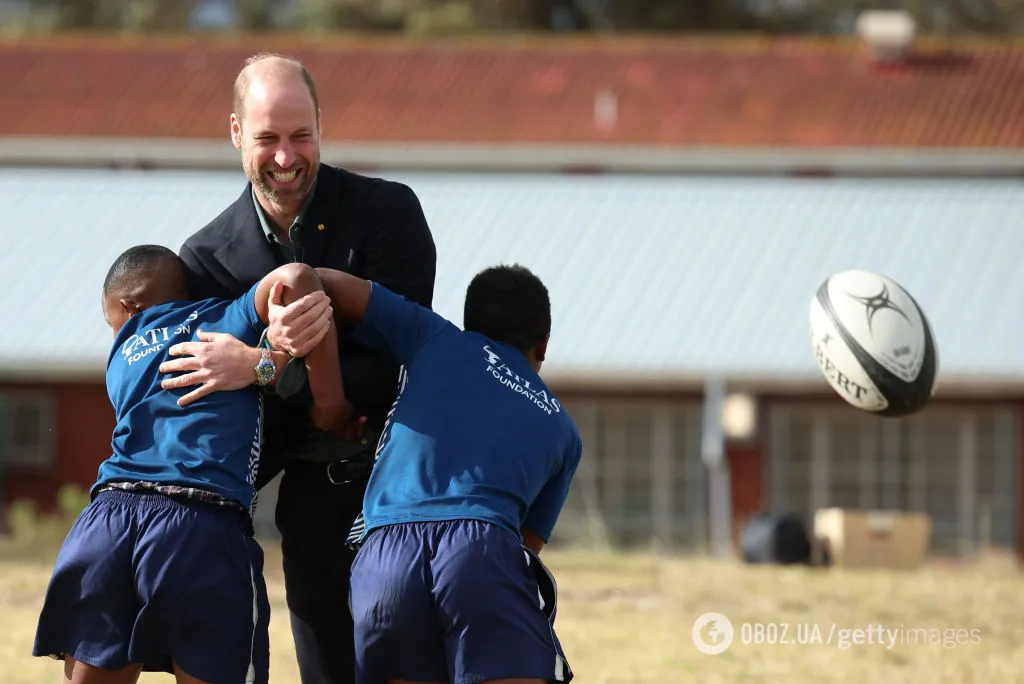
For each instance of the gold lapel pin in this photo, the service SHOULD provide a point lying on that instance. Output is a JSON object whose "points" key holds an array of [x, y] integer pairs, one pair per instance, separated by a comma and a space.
{"points": [[320, 227]]}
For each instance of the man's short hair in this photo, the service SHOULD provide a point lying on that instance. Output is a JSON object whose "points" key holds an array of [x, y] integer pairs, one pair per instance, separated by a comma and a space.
{"points": [[244, 78], [134, 264], [508, 304]]}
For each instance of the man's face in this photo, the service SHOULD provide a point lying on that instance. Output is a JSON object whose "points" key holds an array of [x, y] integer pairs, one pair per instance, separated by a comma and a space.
{"points": [[279, 139]]}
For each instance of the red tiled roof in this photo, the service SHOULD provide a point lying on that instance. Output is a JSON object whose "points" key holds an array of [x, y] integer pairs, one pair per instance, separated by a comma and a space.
{"points": [[733, 92]]}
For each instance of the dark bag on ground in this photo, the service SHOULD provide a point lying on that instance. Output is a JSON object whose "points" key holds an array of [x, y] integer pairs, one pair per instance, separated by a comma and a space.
{"points": [[775, 539]]}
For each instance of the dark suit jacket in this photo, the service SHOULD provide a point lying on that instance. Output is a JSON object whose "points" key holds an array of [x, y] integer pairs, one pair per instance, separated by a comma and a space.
{"points": [[372, 228]]}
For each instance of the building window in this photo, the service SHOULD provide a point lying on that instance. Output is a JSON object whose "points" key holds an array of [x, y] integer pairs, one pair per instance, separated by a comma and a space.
{"points": [[27, 424], [641, 481], [958, 464]]}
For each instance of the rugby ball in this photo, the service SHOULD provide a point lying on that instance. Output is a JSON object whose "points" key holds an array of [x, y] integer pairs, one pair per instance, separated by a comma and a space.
{"points": [[874, 344]]}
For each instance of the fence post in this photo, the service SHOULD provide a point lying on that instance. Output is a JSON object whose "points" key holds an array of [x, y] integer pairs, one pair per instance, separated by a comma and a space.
{"points": [[3, 462], [713, 453]]}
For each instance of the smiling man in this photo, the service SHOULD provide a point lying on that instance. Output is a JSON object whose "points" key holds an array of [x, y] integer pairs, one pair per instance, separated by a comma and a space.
{"points": [[276, 97], [296, 209]]}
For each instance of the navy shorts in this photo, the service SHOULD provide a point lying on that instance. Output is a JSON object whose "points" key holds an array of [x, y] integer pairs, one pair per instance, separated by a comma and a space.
{"points": [[146, 578], [453, 601]]}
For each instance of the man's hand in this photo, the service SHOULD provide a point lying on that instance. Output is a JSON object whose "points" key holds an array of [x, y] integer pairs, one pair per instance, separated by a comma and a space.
{"points": [[300, 326], [218, 362]]}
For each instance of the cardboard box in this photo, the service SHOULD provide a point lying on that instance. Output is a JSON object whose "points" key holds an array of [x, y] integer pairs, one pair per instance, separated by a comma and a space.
{"points": [[873, 539]]}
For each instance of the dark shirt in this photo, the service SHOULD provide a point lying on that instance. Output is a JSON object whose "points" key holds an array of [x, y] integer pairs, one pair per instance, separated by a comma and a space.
{"points": [[285, 251]]}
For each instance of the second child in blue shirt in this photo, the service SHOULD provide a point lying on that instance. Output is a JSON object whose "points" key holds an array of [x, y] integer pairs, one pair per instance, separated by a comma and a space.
{"points": [[475, 462]]}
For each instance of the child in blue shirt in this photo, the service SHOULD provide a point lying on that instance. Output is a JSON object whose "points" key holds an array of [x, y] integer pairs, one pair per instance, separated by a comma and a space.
{"points": [[473, 468], [161, 572]]}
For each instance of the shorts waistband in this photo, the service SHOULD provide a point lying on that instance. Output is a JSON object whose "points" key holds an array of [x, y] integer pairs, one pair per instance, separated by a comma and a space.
{"points": [[115, 495], [168, 501]]}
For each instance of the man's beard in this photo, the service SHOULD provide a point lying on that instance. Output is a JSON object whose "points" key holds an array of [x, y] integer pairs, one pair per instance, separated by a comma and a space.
{"points": [[264, 187]]}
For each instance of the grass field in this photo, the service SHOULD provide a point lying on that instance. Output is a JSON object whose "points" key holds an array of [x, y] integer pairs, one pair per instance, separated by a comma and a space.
{"points": [[628, 619]]}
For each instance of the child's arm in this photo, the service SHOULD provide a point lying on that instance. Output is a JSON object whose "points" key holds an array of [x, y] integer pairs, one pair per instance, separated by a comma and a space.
{"points": [[383, 319], [532, 540], [282, 287], [545, 509], [349, 295]]}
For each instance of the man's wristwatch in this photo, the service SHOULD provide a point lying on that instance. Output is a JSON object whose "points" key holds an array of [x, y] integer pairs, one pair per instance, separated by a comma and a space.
{"points": [[265, 369]]}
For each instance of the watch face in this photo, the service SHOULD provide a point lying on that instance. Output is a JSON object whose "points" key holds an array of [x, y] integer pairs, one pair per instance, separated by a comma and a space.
{"points": [[265, 371]]}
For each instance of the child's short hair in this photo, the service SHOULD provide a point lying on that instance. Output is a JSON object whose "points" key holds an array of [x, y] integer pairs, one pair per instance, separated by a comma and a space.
{"points": [[508, 304], [134, 264]]}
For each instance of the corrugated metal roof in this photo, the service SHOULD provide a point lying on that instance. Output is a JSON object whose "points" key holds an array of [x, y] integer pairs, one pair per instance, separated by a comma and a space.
{"points": [[653, 276]]}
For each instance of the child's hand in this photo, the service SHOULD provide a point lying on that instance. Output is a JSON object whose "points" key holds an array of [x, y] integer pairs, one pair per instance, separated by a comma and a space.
{"points": [[340, 421]]}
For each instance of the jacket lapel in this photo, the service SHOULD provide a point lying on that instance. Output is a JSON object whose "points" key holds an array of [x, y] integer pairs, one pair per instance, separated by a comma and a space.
{"points": [[324, 218], [245, 250]]}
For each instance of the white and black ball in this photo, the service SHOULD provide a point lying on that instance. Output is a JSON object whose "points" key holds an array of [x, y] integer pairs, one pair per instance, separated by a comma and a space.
{"points": [[874, 344]]}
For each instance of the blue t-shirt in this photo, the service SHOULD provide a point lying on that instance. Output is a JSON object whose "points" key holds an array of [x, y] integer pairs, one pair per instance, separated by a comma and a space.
{"points": [[212, 444], [474, 433]]}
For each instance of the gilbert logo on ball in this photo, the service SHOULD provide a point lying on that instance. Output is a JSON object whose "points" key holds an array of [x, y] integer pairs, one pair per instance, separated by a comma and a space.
{"points": [[873, 343]]}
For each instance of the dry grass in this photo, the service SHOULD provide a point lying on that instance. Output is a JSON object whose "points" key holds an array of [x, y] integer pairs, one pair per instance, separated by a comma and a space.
{"points": [[628, 620]]}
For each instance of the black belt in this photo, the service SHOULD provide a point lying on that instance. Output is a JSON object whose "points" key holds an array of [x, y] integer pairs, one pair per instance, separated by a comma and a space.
{"points": [[343, 460]]}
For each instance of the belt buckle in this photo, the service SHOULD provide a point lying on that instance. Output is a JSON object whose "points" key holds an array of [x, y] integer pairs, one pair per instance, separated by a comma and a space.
{"points": [[345, 462], [330, 477]]}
